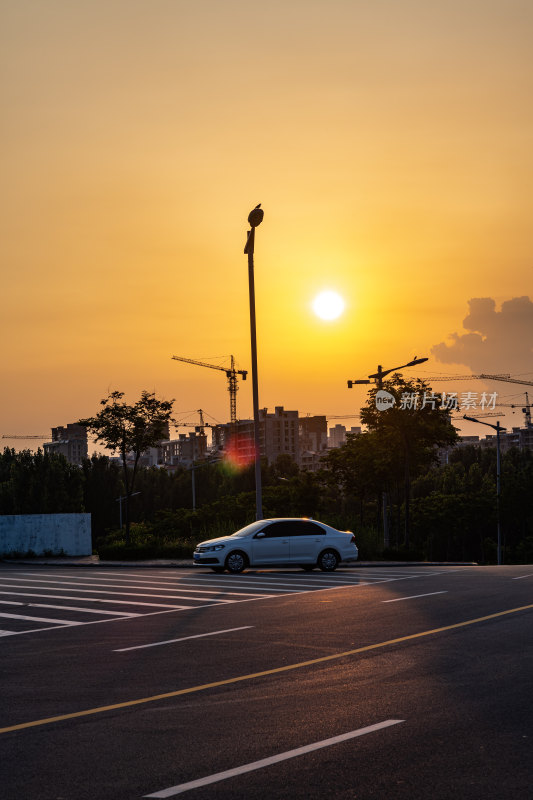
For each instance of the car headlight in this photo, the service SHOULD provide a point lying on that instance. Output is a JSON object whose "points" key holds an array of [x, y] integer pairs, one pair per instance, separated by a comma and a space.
{"points": [[215, 547]]}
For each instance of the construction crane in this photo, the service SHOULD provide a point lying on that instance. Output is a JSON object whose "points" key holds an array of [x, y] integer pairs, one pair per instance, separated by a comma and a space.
{"points": [[231, 375], [199, 428]]}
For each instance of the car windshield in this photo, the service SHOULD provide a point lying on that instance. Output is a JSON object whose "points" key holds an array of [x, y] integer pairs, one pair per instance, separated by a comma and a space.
{"points": [[248, 530]]}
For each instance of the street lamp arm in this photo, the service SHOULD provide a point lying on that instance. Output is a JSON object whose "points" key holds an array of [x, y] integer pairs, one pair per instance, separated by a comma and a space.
{"points": [[473, 419], [412, 363], [380, 374]]}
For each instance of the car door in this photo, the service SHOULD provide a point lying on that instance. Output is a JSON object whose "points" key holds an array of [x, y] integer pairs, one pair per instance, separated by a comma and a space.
{"points": [[273, 547], [307, 540]]}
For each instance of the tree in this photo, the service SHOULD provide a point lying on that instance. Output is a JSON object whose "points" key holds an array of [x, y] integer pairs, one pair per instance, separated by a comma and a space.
{"points": [[362, 467], [129, 429], [411, 429]]}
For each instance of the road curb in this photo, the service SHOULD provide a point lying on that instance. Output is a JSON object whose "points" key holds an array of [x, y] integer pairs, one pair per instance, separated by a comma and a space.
{"points": [[93, 561]]}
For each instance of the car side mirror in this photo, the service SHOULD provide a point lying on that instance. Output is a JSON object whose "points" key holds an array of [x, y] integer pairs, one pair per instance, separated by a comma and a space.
{"points": [[260, 535]]}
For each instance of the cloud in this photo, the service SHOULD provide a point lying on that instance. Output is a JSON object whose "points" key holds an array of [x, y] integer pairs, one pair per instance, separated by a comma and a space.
{"points": [[495, 341]]}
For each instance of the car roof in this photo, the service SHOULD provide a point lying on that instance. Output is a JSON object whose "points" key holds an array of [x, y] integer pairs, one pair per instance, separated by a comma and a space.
{"points": [[292, 519]]}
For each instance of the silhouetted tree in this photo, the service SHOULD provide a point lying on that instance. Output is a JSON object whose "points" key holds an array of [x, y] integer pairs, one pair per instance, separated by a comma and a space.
{"points": [[129, 429]]}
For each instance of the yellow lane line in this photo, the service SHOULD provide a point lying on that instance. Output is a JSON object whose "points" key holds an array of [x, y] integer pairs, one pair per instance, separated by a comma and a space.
{"points": [[251, 676]]}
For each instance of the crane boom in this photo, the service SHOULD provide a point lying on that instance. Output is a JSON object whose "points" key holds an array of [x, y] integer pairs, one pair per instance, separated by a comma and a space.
{"points": [[506, 378], [30, 436], [231, 375], [500, 376], [200, 363], [481, 377]]}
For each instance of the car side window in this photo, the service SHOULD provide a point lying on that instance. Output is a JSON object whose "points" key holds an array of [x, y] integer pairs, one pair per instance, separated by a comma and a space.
{"points": [[302, 527], [305, 528], [312, 529], [275, 530]]}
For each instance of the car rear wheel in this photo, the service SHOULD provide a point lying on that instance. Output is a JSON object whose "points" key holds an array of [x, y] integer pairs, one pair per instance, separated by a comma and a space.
{"points": [[328, 560], [236, 562]]}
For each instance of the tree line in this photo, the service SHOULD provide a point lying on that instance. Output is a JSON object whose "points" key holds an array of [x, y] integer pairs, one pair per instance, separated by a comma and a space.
{"points": [[386, 479]]}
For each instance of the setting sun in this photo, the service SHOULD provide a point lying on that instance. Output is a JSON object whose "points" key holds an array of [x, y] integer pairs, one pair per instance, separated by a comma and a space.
{"points": [[328, 305]]}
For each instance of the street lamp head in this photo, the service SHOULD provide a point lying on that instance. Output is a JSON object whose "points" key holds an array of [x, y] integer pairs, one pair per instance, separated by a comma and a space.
{"points": [[255, 217]]}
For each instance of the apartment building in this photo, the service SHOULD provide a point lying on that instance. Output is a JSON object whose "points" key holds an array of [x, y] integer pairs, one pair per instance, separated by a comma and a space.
{"points": [[70, 441]]}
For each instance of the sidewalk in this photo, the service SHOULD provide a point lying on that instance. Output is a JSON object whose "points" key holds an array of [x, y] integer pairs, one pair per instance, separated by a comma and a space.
{"points": [[187, 563]]}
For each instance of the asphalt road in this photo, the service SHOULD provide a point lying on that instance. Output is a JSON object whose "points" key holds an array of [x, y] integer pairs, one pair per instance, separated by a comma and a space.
{"points": [[369, 683]]}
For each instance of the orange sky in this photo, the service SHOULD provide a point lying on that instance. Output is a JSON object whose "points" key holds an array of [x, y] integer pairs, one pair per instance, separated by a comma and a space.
{"points": [[389, 144]]}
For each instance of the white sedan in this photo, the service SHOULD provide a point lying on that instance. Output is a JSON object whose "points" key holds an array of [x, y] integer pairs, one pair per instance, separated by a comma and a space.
{"points": [[278, 542]]}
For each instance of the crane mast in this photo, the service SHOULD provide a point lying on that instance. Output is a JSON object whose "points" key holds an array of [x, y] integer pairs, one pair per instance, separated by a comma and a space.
{"points": [[231, 375]]}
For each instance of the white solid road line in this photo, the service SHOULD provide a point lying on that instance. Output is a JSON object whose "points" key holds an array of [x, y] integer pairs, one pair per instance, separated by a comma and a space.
{"points": [[523, 576], [93, 600], [266, 762], [184, 639], [57, 588], [413, 597], [41, 619], [85, 610], [56, 584]]}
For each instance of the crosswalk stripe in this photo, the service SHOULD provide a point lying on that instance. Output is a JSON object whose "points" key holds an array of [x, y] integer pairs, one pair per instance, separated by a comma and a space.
{"points": [[201, 590], [102, 582]]}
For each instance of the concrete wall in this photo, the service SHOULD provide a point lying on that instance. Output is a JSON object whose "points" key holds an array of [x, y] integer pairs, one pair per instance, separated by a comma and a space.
{"points": [[70, 533]]}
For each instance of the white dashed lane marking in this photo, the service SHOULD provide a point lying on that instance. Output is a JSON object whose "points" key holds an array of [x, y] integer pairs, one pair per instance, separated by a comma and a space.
{"points": [[412, 597], [172, 791], [183, 639]]}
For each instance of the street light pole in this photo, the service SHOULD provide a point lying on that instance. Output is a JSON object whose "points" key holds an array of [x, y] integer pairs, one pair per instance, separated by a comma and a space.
{"points": [[255, 218], [497, 428], [498, 475], [378, 378], [119, 501]]}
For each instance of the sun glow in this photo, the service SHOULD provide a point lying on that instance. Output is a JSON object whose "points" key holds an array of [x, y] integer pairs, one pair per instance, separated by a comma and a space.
{"points": [[328, 305]]}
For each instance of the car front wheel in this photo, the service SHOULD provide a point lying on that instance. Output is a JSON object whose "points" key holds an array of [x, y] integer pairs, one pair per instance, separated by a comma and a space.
{"points": [[236, 562], [328, 560]]}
